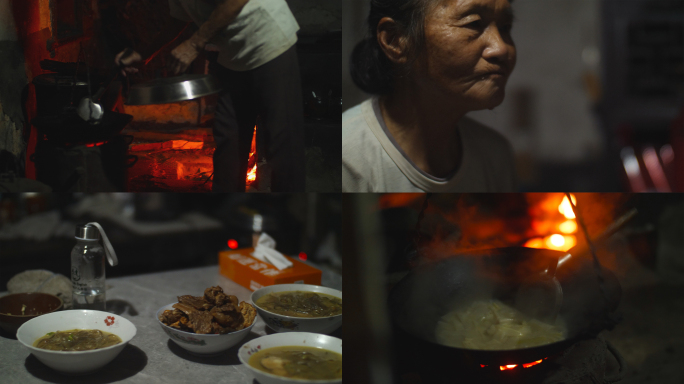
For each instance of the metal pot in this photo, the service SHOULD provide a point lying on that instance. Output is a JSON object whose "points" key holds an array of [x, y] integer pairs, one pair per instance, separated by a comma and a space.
{"points": [[55, 93], [172, 89]]}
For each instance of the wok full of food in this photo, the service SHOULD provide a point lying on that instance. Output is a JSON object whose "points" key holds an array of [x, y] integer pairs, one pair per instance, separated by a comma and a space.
{"points": [[493, 325], [462, 307]]}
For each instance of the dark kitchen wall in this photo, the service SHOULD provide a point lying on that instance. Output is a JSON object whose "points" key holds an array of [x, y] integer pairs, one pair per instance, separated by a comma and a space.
{"points": [[27, 36], [163, 231], [316, 17], [13, 80], [11, 118]]}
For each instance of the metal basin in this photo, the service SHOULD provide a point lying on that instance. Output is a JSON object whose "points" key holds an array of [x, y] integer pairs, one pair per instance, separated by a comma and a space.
{"points": [[172, 89]]}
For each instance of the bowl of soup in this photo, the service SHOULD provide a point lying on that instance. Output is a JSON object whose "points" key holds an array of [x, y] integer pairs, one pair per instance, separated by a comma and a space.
{"points": [[294, 357], [76, 341], [299, 307], [18, 308]]}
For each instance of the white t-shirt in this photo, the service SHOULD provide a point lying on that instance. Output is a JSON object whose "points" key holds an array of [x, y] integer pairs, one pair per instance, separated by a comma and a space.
{"points": [[372, 161], [261, 32]]}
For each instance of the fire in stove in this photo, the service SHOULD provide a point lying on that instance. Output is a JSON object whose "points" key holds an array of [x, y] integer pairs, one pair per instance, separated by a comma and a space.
{"points": [[513, 366], [563, 229], [183, 163], [252, 162]]}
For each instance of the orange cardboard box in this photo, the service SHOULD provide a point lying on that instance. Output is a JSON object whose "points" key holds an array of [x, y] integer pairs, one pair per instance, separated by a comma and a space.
{"points": [[242, 268]]}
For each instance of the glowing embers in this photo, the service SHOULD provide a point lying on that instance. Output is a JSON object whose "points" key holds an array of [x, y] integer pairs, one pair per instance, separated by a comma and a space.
{"points": [[181, 161], [95, 144], [513, 366], [182, 164], [561, 235]]}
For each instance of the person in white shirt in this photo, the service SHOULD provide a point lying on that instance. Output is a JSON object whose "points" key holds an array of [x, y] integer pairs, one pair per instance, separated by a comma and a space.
{"points": [[258, 68], [428, 63]]}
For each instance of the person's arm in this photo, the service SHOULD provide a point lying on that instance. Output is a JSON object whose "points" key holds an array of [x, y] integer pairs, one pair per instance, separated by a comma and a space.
{"points": [[184, 54], [169, 32]]}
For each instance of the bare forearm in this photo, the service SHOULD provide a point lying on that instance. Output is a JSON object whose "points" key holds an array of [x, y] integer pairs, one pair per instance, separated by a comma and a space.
{"points": [[169, 32], [224, 13]]}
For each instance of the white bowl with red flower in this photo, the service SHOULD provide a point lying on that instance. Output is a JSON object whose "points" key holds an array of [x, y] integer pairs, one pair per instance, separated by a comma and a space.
{"points": [[76, 362], [288, 339]]}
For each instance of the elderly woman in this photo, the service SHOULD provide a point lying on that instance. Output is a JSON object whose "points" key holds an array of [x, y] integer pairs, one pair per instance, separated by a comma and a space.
{"points": [[428, 63]]}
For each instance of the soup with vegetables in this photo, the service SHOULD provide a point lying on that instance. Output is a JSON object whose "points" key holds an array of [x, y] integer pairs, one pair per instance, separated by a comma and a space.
{"points": [[493, 325], [299, 362], [77, 340], [301, 304]]}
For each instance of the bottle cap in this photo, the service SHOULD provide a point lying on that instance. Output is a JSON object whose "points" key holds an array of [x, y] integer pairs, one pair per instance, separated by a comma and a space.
{"points": [[93, 231], [87, 232], [257, 223]]}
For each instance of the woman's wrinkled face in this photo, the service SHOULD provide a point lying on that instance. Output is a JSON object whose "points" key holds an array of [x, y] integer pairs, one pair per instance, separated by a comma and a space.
{"points": [[468, 53]]}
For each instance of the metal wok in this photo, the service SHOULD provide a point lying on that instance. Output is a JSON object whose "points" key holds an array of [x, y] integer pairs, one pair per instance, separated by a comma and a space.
{"points": [[428, 292], [172, 89]]}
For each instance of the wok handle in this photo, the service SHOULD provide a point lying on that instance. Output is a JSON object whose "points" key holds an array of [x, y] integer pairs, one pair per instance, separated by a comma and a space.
{"points": [[607, 233], [100, 92], [131, 160]]}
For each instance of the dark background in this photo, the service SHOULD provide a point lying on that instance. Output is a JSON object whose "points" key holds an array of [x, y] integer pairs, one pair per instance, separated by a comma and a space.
{"points": [[298, 223]]}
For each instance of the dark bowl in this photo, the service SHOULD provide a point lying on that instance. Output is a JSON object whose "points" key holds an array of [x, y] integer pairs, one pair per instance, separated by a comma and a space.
{"points": [[37, 304]]}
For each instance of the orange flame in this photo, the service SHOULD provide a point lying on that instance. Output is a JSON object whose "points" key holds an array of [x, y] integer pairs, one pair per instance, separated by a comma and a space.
{"points": [[95, 144], [511, 366], [532, 363], [251, 163], [568, 226], [251, 175], [566, 209], [562, 241]]}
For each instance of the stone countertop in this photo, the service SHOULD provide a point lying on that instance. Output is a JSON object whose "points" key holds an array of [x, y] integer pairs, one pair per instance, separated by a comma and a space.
{"points": [[151, 357]]}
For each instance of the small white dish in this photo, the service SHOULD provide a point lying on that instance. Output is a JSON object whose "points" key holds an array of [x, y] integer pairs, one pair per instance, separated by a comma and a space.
{"points": [[299, 339], [76, 362], [282, 323], [203, 344]]}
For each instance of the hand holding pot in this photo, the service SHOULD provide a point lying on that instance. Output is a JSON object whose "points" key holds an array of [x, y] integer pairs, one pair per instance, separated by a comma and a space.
{"points": [[182, 56], [125, 60]]}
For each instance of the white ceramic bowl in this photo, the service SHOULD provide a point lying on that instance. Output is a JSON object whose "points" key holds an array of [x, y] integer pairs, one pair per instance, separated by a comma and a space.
{"points": [[282, 323], [303, 339], [200, 344], [76, 362]]}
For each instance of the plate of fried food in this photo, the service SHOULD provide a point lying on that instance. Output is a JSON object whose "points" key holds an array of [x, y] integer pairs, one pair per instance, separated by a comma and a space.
{"points": [[208, 324]]}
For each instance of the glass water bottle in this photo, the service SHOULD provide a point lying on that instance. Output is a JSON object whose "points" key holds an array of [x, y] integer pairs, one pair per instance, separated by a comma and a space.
{"points": [[88, 269]]}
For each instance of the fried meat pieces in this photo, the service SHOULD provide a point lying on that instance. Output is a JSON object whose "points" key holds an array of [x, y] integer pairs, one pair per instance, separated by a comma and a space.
{"points": [[215, 312]]}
